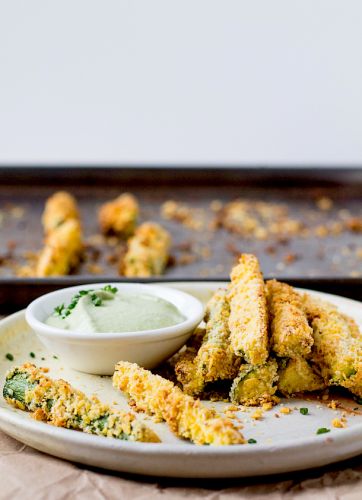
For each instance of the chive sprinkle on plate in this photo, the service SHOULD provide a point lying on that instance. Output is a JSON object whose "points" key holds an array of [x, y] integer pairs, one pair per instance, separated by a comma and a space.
{"points": [[303, 411], [323, 430]]}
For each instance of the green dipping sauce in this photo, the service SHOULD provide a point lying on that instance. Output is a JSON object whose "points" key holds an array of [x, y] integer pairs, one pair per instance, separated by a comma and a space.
{"points": [[108, 310]]}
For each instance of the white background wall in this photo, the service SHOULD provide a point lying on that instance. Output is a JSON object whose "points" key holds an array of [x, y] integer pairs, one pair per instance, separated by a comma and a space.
{"points": [[202, 81]]}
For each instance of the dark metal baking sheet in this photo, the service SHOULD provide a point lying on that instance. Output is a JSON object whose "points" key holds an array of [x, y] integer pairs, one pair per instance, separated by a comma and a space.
{"points": [[15, 295], [331, 264]]}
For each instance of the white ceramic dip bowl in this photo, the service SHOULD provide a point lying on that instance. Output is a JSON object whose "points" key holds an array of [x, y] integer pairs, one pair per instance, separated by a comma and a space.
{"points": [[97, 353]]}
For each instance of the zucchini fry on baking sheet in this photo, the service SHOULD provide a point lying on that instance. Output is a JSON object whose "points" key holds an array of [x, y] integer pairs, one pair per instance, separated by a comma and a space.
{"points": [[62, 250], [148, 251], [119, 216], [63, 236], [59, 207], [255, 384], [248, 320], [58, 403], [337, 349], [214, 360], [291, 335], [296, 375], [187, 418]]}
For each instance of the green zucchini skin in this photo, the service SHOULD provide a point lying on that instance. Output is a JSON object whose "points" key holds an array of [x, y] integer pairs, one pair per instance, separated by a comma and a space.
{"points": [[58, 403], [16, 387]]}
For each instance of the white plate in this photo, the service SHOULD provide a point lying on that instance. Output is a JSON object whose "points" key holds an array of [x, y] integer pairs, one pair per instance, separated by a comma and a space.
{"points": [[283, 444]]}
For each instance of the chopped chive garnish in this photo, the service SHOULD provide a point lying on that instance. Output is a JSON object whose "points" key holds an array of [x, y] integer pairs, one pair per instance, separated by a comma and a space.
{"points": [[42, 358], [97, 301], [59, 310], [64, 311], [32, 354], [9, 356], [55, 357], [252, 441], [110, 288], [304, 411], [323, 430]]}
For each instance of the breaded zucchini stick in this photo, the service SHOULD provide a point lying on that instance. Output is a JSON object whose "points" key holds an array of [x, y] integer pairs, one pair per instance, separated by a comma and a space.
{"points": [[59, 208], [215, 359], [186, 417], [291, 335], [192, 346], [58, 403], [296, 375], [62, 250], [119, 216], [248, 320], [337, 349], [178, 367], [148, 251], [255, 385]]}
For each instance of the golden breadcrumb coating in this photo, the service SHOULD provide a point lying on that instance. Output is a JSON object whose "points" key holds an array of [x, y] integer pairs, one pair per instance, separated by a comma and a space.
{"points": [[296, 375], [192, 345], [255, 385], [291, 335], [60, 404], [215, 359], [119, 216], [186, 417], [337, 349], [248, 320], [62, 250], [63, 236], [185, 372], [59, 208], [177, 367], [148, 251]]}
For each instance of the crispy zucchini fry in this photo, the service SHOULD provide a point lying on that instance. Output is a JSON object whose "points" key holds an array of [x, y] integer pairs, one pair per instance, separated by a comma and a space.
{"points": [[178, 366], [337, 349], [215, 359], [255, 385], [119, 216], [148, 251], [185, 372], [191, 347], [59, 208], [296, 375], [186, 417], [63, 236], [58, 403], [62, 250], [291, 336], [248, 320]]}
